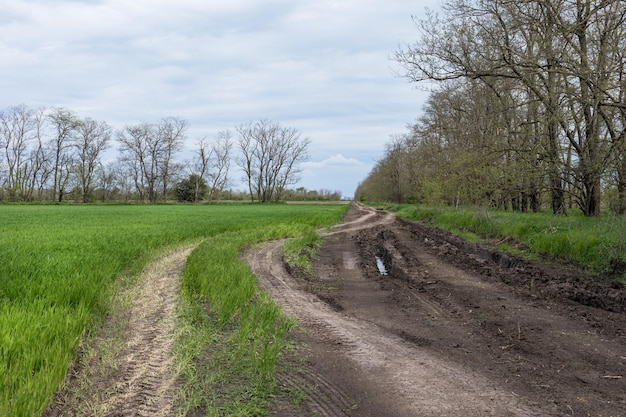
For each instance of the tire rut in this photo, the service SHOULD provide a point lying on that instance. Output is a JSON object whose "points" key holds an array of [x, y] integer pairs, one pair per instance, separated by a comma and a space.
{"points": [[404, 379]]}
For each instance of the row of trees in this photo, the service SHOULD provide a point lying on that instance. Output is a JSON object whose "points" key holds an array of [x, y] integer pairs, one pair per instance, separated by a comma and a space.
{"points": [[42, 152], [194, 189], [55, 155], [530, 105]]}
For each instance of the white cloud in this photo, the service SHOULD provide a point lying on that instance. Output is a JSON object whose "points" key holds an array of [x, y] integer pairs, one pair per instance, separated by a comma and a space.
{"points": [[337, 160]]}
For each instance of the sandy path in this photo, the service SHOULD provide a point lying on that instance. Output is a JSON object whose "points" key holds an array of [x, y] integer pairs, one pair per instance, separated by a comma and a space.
{"points": [[129, 369]]}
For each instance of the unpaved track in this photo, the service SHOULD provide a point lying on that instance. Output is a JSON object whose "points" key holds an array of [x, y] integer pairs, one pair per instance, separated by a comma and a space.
{"points": [[441, 335], [129, 370]]}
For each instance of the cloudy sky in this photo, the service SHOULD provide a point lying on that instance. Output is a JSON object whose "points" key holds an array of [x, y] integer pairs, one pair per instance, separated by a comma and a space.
{"points": [[320, 66]]}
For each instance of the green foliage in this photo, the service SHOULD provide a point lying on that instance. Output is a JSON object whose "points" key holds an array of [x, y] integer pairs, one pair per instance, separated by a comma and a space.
{"points": [[59, 264], [191, 190]]}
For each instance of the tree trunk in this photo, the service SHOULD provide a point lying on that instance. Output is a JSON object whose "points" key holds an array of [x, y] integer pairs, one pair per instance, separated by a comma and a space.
{"points": [[621, 187]]}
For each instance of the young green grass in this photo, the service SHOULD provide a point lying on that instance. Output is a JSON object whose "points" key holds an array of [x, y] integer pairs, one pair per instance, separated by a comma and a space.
{"points": [[298, 252], [59, 264], [596, 243], [233, 334]]}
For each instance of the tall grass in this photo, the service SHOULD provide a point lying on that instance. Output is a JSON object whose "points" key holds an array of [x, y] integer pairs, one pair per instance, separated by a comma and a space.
{"points": [[596, 243], [59, 264]]}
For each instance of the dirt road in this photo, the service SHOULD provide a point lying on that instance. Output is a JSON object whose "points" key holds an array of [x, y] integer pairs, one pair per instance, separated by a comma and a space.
{"points": [[451, 329]]}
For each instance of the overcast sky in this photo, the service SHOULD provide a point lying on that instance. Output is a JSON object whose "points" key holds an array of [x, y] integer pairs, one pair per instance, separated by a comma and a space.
{"points": [[320, 66]]}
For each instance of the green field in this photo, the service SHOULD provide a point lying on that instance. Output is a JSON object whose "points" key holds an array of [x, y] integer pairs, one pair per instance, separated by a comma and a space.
{"points": [[59, 265]]}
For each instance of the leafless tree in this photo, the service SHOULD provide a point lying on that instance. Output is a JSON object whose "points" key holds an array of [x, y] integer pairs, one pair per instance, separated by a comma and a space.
{"points": [[564, 55], [21, 129], [138, 160], [148, 151], [122, 177], [104, 181], [270, 158], [41, 163], [247, 162], [64, 124], [66, 178], [217, 175], [200, 166], [170, 134], [92, 138], [212, 164]]}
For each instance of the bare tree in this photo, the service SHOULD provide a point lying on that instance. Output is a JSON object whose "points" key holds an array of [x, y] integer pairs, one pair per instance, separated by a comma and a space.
{"points": [[105, 181], [212, 164], [200, 166], [20, 128], [66, 178], [217, 175], [40, 162], [139, 159], [493, 40], [91, 140], [270, 158], [148, 151], [64, 123], [122, 178], [246, 161], [566, 54], [170, 134]]}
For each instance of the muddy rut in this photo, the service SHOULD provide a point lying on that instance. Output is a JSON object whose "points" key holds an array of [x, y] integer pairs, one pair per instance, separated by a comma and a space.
{"points": [[448, 330], [128, 369]]}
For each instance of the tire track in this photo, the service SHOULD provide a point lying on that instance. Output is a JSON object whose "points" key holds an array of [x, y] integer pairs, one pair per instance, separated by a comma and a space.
{"points": [[138, 378], [410, 381], [147, 378], [322, 396]]}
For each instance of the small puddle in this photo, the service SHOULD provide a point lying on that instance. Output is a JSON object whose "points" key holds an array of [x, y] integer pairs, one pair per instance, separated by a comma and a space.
{"points": [[381, 266]]}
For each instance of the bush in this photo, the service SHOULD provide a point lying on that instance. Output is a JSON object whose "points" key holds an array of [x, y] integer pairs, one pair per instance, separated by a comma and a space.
{"points": [[191, 190]]}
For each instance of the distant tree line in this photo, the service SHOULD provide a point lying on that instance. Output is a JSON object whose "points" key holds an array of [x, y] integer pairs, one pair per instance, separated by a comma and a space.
{"points": [[55, 155], [529, 108], [302, 194]]}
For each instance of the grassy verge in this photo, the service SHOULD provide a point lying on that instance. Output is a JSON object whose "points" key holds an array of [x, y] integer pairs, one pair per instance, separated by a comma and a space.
{"points": [[598, 244], [298, 252], [60, 263], [232, 335]]}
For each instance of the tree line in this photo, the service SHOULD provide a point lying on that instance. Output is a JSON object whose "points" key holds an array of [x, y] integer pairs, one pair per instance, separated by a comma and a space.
{"points": [[528, 109], [56, 155]]}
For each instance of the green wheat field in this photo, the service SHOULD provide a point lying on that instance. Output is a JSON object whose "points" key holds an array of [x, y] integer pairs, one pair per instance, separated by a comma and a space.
{"points": [[60, 265]]}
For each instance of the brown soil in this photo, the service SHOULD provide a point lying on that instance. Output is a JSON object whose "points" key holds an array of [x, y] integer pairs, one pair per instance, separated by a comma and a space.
{"points": [[127, 370], [453, 329]]}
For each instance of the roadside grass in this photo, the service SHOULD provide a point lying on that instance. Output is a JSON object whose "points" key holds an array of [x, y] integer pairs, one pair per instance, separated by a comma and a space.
{"points": [[298, 252], [595, 243], [60, 264], [233, 335]]}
